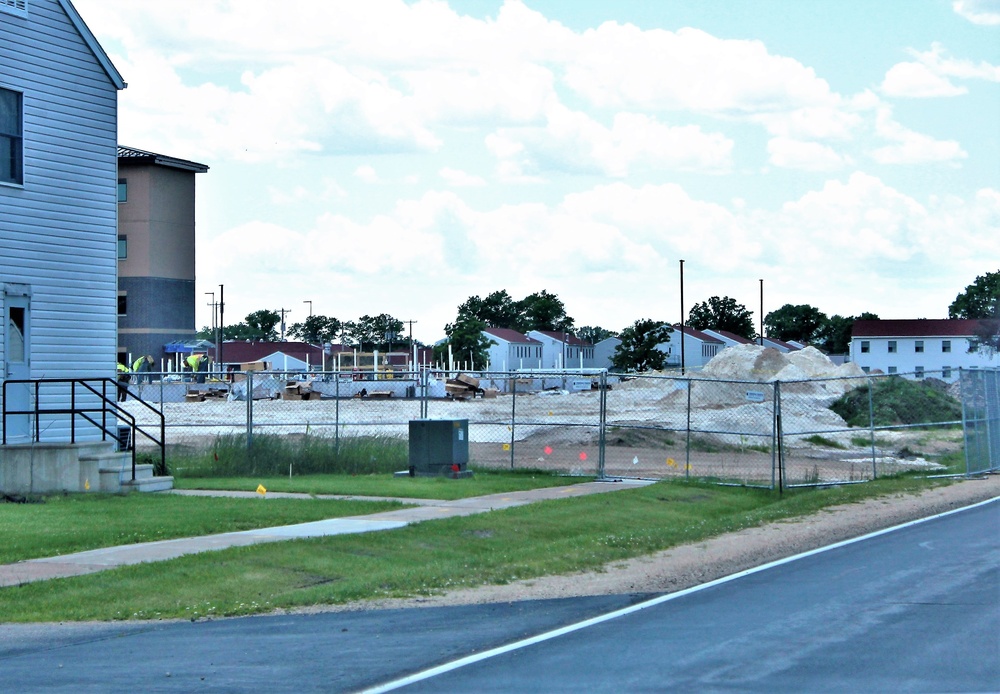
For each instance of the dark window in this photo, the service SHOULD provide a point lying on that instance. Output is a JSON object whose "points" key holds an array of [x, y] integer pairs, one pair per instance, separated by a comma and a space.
{"points": [[892, 346], [918, 346], [122, 304], [866, 346], [945, 345], [122, 247], [10, 137], [945, 372], [122, 190], [892, 369], [919, 371]]}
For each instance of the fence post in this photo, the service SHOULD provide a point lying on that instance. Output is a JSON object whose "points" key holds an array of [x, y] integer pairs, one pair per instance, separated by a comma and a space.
{"points": [[871, 425], [513, 417], [336, 413], [249, 410], [602, 423], [780, 436], [687, 436]]}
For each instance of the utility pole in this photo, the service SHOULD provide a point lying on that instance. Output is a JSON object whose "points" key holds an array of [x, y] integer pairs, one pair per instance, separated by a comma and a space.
{"points": [[283, 312], [222, 328], [310, 307], [215, 325]]}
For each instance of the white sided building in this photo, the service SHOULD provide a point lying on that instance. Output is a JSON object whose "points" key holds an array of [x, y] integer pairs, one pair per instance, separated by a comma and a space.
{"points": [[511, 350], [58, 204], [920, 347], [562, 350]]}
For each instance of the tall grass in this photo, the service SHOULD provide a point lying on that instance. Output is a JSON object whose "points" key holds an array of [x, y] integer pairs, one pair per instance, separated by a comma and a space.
{"points": [[271, 455]]}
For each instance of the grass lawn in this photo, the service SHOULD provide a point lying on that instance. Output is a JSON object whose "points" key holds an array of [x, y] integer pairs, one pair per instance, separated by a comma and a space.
{"points": [[566, 535], [483, 482], [60, 524]]}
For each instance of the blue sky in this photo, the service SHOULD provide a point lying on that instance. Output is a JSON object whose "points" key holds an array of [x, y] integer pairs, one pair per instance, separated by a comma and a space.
{"points": [[399, 157]]}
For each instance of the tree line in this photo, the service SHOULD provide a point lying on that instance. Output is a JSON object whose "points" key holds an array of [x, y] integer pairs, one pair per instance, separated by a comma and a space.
{"points": [[544, 311]]}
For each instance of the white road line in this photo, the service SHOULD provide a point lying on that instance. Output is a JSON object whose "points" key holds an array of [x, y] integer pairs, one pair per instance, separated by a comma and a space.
{"points": [[555, 633]]}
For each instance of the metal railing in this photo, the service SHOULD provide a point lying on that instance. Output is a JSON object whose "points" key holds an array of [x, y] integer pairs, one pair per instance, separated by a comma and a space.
{"points": [[87, 399]]}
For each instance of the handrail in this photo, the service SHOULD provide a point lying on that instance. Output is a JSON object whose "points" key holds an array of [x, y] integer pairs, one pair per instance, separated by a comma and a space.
{"points": [[108, 406]]}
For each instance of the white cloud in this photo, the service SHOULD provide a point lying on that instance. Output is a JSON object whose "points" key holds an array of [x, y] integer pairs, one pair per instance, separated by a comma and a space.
{"points": [[807, 156], [573, 141], [929, 76], [623, 66], [909, 147], [916, 80], [366, 173], [460, 179], [985, 12]]}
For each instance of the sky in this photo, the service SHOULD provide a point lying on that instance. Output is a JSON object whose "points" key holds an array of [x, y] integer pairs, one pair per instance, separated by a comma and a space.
{"points": [[399, 157]]}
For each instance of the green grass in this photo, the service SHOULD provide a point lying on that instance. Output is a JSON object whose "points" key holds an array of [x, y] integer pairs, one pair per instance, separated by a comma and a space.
{"points": [[896, 400], [483, 482], [567, 535], [57, 524], [818, 440], [271, 455]]}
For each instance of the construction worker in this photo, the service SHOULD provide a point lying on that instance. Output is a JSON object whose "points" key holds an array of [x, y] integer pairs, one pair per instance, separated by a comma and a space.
{"points": [[142, 368], [123, 378], [195, 362]]}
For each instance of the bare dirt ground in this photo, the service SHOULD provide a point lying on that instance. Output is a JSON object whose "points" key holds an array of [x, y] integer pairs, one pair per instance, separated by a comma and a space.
{"points": [[690, 565]]}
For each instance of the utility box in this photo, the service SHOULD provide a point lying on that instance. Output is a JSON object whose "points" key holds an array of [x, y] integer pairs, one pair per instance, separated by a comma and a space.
{"points": [[439, 448]]}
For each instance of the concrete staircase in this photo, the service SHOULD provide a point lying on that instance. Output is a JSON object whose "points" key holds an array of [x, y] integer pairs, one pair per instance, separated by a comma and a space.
{"points": [[114, 472]]}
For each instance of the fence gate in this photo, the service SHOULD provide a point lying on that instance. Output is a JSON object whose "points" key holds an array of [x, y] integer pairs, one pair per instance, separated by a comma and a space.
{"points": [[980, 389]]}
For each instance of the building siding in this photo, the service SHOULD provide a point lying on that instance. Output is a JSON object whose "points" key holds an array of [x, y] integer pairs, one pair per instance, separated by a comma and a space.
{"points": [[58, 230]]}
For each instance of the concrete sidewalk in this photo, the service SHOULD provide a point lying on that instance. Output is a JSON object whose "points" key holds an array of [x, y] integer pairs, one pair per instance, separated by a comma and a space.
{"points": [[95, 560]]}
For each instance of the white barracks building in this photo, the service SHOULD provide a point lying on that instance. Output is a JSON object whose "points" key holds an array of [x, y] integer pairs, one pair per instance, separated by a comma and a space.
{"points": [[933, 347]]}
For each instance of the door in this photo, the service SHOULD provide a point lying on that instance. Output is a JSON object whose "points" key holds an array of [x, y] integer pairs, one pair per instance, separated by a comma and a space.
{"points": [[17, 364]]}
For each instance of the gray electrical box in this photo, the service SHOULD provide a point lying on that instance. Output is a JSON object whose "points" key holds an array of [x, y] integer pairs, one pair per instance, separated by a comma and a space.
{"points": [[439, 447]]}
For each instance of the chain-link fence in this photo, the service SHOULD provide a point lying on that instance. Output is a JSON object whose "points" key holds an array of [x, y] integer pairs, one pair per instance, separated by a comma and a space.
{"points": [[980, 394], [809, 431]]}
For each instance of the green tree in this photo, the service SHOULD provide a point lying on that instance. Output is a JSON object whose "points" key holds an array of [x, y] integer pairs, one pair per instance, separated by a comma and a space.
{"points": [[544, 311], [723, 313], [981, 299], [593, 334], [261, 325], [316, 329], [375, 332], [801, 323], [497, 310], [467, 342], [638, 351], [835, 335]]}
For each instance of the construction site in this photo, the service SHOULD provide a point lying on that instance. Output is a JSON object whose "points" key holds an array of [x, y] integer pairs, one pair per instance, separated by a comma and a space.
{"points": [[752, 416]]}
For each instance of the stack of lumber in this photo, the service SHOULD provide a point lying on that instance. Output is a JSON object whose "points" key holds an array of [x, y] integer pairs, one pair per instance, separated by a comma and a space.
{"points": [[462, 387], [296, 390]]}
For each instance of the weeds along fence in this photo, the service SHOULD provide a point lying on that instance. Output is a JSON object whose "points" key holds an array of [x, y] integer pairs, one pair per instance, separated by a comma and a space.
{"points": [[779, 433]]}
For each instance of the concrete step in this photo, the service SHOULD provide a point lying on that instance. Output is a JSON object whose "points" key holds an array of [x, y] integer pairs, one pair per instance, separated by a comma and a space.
{"points": [[115, 475], [148, 484]]}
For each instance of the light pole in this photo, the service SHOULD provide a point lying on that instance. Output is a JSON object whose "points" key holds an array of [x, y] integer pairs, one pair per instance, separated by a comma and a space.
{"points": [[762, 313], [682, 318], [215, 333], [222, 326], [310, 307]]}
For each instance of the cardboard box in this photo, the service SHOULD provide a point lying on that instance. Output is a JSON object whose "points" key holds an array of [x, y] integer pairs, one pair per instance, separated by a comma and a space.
{"points": [[490, 392], [468, 380]]}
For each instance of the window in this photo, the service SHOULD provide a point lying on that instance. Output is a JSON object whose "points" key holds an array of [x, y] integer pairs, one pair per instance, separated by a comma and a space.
{"points": [[866, 369], [866, 346], [918, 371], [892, 369], [122, 304], [892, 346], [10, 136], [122, 247], [918, 346], [122, 190], [945, 345], [945, 372]]}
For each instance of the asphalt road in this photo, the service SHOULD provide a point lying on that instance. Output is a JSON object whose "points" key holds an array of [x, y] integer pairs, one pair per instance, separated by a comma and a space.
{"points": [[917, 609]]}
